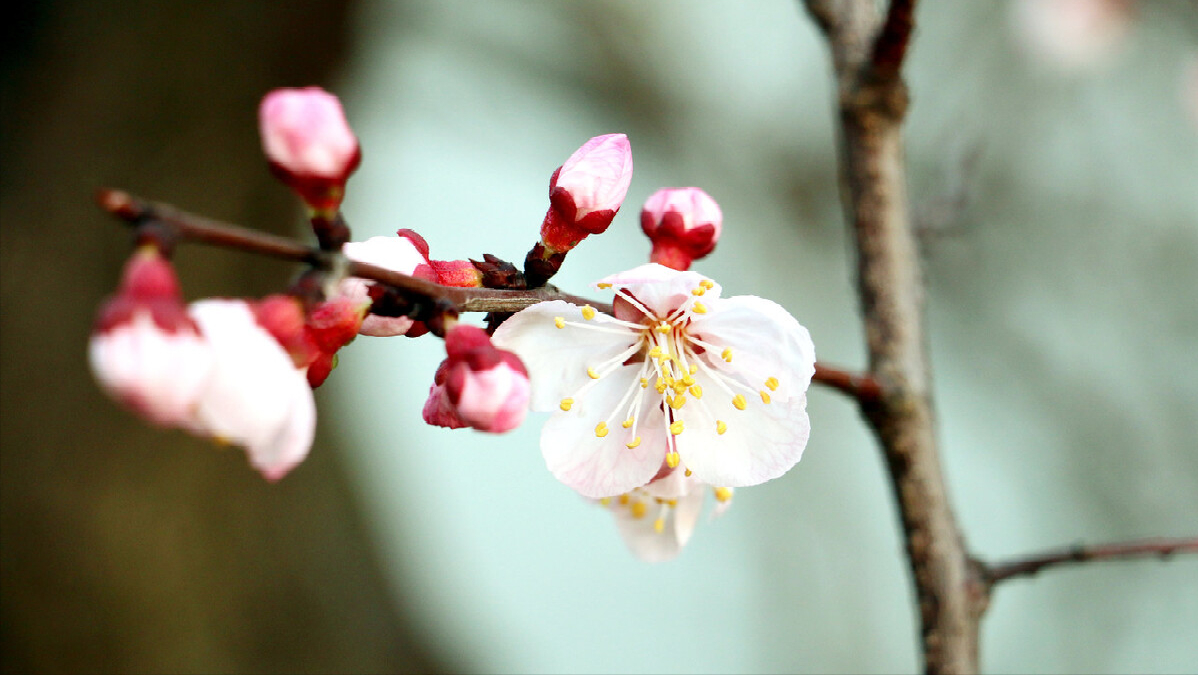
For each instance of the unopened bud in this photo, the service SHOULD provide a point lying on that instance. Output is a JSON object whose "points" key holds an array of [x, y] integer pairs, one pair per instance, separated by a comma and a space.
{"points": [[683, 224], [478, 385], [586, 192], [309, 144]]}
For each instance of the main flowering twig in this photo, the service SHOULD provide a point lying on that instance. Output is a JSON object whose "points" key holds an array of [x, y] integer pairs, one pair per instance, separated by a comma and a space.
{"points": [[998, 572], [190, 227]]}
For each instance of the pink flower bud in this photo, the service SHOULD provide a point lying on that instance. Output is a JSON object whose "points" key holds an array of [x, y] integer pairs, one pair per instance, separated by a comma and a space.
{"points": [[145, 351], [460, 273], [683, 224], [478, 385], [586, 192], [256, 396], [309, 143]]}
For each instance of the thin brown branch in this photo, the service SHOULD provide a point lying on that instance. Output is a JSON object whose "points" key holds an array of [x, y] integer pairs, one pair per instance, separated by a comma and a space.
{"points": [[190, 227], [860, 386], [995, 573]]}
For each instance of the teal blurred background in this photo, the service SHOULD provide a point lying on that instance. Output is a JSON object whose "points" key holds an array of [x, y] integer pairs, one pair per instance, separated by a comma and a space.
{"points": [[1059, 205]]}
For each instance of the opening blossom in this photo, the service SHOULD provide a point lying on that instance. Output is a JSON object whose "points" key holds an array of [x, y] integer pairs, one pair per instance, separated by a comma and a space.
{"points": [[407, 253], [679, 379], [477, 385]]}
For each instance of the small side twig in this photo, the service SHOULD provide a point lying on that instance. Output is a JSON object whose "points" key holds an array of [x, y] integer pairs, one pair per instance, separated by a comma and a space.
{"points": [[860, 386], [995, 573]]}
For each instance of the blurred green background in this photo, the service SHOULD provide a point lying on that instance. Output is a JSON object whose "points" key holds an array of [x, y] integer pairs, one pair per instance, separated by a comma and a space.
{"points": [[1059, 204]]}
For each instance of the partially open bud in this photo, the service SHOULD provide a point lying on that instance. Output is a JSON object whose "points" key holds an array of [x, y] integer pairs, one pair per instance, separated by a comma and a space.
{"points": [[145, 351], [309, 144], [683, 224], [406, 253], [478, 385], [586, 192]]}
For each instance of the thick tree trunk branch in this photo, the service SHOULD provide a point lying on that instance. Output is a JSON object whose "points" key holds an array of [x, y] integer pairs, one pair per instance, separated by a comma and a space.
{"points": [[995, 573], [867, 53]]}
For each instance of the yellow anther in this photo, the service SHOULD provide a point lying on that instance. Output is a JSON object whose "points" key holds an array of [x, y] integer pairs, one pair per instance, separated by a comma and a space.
{"points": [[559, 321], [699, 291], [671, 502], [679, 388], [723, 495], [655, 353], [661, 386], [566, 403], [672, 459], [675, 428], [605, 501], [677, 402], [624, 499], [699, 308], [601, 429], [696, 391], [727, 354], [588, 312], [594, 375], [629, 422], [739, 401], [688, 473], [644, 383], [659, 500], [772, 383], [634, 443], [663, 328], [604, 285], [694, 368], [765, 396], [688, 380], [665, 358], [720, 427], [639, 509], [659, 525], [222, 441], [707, 283]]}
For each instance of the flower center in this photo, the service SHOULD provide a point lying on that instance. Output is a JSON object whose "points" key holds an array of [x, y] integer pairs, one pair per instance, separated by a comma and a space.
{"points": [[678, 367]]}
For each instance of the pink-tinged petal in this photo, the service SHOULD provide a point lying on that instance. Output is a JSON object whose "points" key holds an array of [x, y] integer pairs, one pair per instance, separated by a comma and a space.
{"points": [[157, 373], [1073, 34], [256, 396], [603, 465], [641, 535], [291, 445], [494, 400], [765, 342], [597, 175], [304, 132], [659, 288], [684, 224], [557, 358], [439, 411], [759, 443]]}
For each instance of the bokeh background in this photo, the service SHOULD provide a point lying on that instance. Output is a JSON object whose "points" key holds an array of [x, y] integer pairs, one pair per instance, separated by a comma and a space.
{"points": [[1054, 173]]}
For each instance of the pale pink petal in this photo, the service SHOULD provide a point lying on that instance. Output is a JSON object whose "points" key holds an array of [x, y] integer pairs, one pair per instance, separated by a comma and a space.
{"points": [[393, 253], [598, 174], [759, 443], [604, 466], [694, 205], [765, 341], [557, 358], [641, 535], [494, 400], [256, 397], [659, 288], [291, 445], [305, 132], [159, 374]]}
